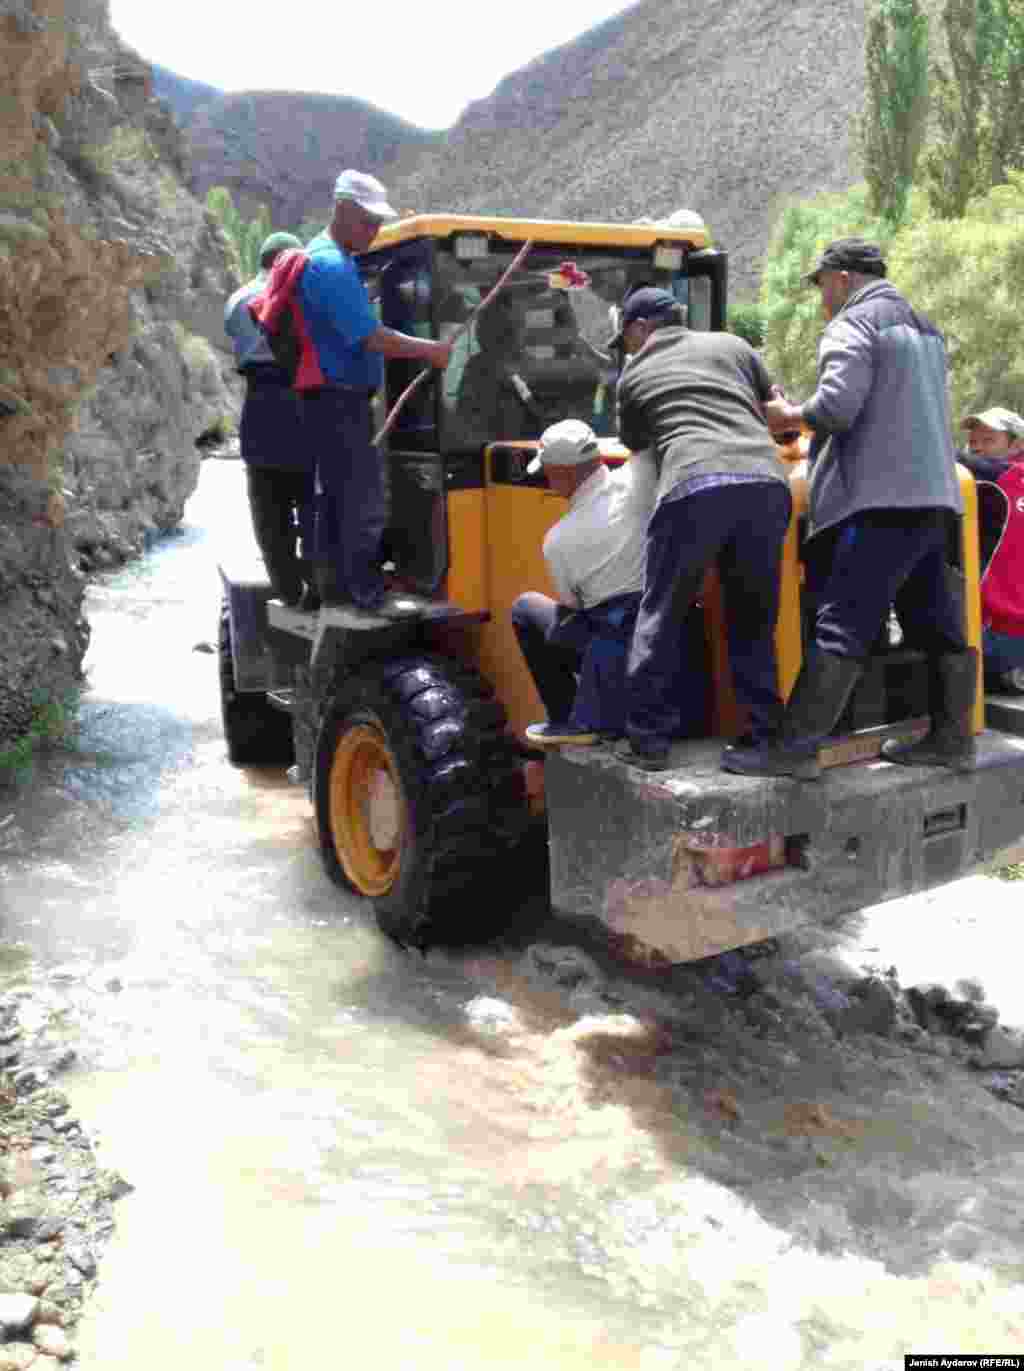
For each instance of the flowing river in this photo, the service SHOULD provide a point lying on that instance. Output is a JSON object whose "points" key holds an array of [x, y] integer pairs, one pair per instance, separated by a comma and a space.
{"points": [[345, 1155]]}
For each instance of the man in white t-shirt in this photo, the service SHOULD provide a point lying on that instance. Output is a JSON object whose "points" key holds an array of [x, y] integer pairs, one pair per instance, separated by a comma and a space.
{"points": [[575, 646]]}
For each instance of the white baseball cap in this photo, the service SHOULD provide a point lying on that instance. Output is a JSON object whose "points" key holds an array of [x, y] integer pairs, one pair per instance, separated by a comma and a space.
{"points": [[366, 191], [1002, 420], [568, 443]]}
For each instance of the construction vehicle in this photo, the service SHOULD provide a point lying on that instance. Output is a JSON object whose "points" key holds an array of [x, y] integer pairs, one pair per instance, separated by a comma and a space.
{"points": [[409, 733]]}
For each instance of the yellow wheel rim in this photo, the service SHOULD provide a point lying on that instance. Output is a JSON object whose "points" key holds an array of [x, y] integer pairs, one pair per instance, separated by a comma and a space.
{"points": [[368, 819]]}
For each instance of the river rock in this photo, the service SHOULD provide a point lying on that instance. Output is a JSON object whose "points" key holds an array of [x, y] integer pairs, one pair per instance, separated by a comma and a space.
{"points": [[927, 1001], [19, 1356], [23, 1214], [83, 1259], [53, 1341], [567, 966], [1003, 1047], [17, 1312], [872, 1008]]}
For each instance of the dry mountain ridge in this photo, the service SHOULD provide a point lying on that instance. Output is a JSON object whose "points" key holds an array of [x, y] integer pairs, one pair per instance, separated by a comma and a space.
{"points": [[726, 109], [284, 149]]}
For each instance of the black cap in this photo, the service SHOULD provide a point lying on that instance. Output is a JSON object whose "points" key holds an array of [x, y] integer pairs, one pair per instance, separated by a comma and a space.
{"points": [[849, 254], [648, 302]]}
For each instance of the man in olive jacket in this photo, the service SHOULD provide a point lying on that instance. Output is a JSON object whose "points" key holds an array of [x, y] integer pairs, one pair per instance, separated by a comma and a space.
{"points": [[883, 498]]}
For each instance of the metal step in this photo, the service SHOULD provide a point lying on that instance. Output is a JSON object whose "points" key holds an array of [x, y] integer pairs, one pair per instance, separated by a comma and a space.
{"points": [[1006, 713]]}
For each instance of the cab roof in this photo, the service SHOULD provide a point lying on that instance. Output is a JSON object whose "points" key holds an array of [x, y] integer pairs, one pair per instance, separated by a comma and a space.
{"points": [[554, 231]]}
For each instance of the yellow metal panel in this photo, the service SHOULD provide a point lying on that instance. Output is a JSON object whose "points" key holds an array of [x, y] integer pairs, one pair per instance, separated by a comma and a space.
{"points": [[467, 539], [518, 517], [540, 230], [970, 564]]}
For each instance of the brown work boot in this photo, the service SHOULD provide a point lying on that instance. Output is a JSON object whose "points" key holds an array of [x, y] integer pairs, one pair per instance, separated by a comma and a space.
{"points": [[952, 686]]}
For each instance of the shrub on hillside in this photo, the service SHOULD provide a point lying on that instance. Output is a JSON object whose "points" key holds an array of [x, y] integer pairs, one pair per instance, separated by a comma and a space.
{"points": [[746, 320], [965, 274]]}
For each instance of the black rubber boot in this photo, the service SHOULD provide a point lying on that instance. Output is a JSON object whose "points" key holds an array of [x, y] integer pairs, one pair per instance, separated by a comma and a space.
{"points": [[819, 697], [953, 683]]}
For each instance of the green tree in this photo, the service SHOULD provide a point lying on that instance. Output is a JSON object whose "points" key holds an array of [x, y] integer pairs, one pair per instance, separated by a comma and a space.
{"points": [[245, 237], [894, 121], [965, 274], [746, 320], [791, 309], [979, 103]]}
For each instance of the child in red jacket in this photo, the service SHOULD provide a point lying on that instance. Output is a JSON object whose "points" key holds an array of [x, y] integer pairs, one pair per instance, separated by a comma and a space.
{"points": [[995, 457]]}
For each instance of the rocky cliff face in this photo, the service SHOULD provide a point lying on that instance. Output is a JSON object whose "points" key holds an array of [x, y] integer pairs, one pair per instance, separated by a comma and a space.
{"points": [[726, 109], [285, 150], [112, 279]]}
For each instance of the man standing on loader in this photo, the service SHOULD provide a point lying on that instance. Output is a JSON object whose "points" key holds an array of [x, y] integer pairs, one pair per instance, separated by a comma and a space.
{"points": [[351, 345], [882, 499], [723, 498], [278, 467]]}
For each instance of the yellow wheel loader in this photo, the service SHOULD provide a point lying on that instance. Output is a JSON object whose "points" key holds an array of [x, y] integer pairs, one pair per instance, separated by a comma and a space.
{"points": [[410, 733]]}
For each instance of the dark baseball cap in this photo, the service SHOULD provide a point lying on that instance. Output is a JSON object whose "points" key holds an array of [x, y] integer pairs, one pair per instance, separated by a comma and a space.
{"points": [[849, 254], [649, 302]]}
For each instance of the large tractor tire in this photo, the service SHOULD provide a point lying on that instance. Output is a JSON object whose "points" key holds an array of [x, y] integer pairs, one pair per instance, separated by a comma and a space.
{"points": [[257, 734], [417, 787]]}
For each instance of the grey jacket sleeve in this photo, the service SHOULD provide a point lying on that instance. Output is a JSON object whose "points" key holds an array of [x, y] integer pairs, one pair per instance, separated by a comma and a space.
{"points": [[633, 432], [846, 366]]}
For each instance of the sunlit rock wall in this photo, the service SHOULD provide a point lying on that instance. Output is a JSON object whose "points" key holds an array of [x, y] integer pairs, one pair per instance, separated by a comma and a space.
{"points": [[112, 360]]}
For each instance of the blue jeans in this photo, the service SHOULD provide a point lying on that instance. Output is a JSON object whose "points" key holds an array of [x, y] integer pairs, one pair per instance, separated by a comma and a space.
{"points": [[350, 499], [577, 658], [741, 529], [1001, 652], [878, 558]]}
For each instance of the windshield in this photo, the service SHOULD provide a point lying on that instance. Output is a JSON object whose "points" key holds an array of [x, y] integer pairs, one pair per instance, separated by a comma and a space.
{"points": [[539, 352]]}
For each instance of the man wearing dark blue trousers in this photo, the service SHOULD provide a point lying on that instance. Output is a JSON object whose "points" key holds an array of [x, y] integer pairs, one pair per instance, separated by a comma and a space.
{"points": [[351, 345], [278, 466], [722, 500], [883, 498]]}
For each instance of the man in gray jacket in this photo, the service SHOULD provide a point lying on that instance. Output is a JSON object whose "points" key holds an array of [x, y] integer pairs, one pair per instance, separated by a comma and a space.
{"points": [[883, 500]]}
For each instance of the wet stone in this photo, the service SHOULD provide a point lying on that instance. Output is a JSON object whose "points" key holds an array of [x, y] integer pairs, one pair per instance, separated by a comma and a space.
{"points": [[30, 1078], [567, 966], [18, 1356], [927, 1001], [24, 1213], [872, 1008], [82, 1258], [17, 1312], [53, 1341], [1002, 1048]]}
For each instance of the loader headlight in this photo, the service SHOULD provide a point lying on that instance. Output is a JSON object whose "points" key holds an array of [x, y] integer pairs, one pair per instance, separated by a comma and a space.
{"points": [[668, 256], [470, 247]]}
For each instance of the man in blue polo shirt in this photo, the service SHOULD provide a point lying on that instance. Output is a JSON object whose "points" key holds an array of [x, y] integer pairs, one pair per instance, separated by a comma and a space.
{"points": [[351, 345]]}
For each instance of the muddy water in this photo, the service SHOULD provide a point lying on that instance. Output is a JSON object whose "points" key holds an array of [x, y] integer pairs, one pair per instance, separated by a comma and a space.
{"points": [[345, 1155]]}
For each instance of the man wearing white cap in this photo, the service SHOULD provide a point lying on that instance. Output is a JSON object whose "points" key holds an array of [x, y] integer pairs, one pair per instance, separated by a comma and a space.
{"points": [[995, 457], [595, 558], [351, 345]]}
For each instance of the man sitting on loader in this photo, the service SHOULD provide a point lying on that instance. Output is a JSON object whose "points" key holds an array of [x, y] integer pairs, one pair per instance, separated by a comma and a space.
{"points": [[995, 458], [595, 557]]}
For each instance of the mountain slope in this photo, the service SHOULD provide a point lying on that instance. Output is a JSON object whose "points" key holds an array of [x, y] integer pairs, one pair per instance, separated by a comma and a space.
{"points": [[726, 109], [284, 149], [183, 96]]}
